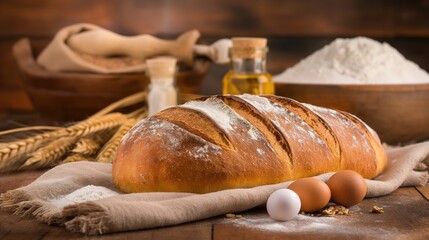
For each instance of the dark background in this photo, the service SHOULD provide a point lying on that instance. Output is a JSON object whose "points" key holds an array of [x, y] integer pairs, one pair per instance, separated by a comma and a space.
{"points": [[295, 28]]}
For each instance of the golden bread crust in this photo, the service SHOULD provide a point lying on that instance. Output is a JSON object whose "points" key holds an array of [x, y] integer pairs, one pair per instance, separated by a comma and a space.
{"points": [[225, 142]]}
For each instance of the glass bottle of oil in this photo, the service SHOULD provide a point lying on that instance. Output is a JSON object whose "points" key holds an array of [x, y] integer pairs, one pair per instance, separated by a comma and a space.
{"points": [[247, 72]]}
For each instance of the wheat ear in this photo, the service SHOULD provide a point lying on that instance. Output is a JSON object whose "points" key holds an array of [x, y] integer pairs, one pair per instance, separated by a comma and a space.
{"points": [[85, 128], [86, 146], [14, 154], [108, 152], [50, 154], [94, 125], [76, 157]]}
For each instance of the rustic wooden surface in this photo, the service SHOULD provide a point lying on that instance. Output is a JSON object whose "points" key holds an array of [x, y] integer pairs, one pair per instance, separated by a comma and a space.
{"points": [[294, 28], [305, 26], [239, 17], [406, 217]]}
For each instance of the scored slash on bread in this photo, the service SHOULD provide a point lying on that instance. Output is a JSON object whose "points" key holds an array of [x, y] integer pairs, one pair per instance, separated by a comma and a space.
{"points": [[319, 125], [270, 131], [374, 141], [236, 141], [201, 125]]}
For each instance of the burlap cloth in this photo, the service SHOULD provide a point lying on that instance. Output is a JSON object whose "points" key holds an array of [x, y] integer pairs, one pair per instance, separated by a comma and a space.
{"points": [[58, 56], [123, 212]]}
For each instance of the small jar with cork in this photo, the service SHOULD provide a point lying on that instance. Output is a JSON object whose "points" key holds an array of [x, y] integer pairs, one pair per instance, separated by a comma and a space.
{"points": [[162, 91], [247, 72]]}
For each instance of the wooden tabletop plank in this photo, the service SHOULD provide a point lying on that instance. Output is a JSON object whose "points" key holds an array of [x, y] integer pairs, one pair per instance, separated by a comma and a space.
{"points": [[9, 181], [17, 228], [406, 216], [424, 191]]}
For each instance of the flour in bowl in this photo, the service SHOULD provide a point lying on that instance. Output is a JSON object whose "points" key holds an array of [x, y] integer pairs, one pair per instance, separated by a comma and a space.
{"points": [[357, 60]]}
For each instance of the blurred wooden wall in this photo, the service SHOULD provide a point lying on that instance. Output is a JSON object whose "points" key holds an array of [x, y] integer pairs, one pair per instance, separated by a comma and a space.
{"points": [[295, 28]]}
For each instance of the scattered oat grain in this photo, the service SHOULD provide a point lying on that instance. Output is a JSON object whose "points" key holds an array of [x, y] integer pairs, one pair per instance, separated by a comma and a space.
{"points": [[377, 209]]}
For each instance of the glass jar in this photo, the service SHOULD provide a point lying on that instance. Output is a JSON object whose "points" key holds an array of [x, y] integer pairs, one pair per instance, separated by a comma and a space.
{"points": [[247, 72], [162, 90]]}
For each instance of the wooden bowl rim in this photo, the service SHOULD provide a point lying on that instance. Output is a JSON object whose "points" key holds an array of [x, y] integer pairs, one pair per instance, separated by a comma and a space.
{"points": [[362, 87]]}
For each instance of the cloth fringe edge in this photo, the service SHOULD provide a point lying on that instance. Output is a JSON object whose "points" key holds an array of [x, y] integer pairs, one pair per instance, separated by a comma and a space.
{"points": [[22, 204], [88, 218], [9, 201]]}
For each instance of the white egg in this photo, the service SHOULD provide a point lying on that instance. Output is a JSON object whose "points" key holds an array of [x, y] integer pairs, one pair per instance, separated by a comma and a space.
{"points": [[283, 205]]}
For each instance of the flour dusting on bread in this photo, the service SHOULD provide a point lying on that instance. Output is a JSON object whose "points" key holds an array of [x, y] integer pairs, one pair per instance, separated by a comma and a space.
{"points": [[171, 138], [242, 141], [226, 118], [215, 110], [286, 121], [358, 138]]}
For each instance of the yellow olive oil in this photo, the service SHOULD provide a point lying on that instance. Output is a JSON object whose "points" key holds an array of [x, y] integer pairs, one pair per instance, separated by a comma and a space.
{"points": [[247, 72], [252, 83]]}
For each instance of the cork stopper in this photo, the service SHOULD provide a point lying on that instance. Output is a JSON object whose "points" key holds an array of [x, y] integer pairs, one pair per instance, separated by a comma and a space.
{"points": [[247, 47], [161, 67]]}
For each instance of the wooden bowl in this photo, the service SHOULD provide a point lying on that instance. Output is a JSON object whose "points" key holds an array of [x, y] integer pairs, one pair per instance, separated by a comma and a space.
{"points": [[74, 96], [398, 113]]}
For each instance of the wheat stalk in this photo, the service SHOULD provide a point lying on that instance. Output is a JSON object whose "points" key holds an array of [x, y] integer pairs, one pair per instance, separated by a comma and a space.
{"points": [[28, 129], [94, 125], [76, 157], [87, 146], [14, 154], [125, 102], [107, 153], [50, 154]]}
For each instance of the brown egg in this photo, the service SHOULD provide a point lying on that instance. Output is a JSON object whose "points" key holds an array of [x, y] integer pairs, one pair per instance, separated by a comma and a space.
{"points": [[348, 188], [314, 193]]}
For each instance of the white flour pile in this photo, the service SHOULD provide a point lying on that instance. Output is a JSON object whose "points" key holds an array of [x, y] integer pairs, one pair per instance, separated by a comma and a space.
{"points": [[87, 193], [355, 61]]}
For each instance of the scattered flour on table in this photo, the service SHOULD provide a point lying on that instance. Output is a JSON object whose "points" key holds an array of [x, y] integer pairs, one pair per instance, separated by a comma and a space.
{"points": [[342, 225], [84, 194], [300, 222], [357, 60]]}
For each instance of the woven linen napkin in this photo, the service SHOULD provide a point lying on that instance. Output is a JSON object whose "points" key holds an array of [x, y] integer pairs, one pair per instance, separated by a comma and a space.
{"points": [[58, 56], [124, 212]]}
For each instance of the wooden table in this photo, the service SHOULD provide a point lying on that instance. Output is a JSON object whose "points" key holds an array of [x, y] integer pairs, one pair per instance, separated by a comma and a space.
{"points": [[406, 217]]}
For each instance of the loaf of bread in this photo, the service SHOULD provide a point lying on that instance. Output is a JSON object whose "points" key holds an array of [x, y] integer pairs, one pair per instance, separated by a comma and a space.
{"points": [[240, 141]]}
